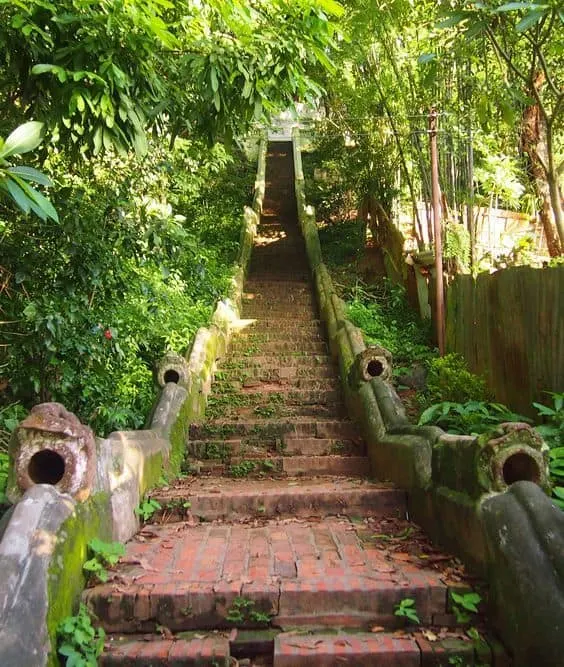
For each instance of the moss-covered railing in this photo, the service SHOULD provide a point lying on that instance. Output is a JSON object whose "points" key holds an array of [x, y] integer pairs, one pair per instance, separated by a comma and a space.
{"points": [[484, 498], [79, 487]]}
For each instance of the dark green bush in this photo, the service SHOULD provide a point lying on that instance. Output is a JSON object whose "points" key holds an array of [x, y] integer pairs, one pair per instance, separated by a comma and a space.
{"points": [[143, 250], [449, 379]]}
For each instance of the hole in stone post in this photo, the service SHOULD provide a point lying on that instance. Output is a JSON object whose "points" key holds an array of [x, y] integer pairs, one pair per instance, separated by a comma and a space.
{"points": [[171, 376], [520, 466], [375, 368], [46, 467]]}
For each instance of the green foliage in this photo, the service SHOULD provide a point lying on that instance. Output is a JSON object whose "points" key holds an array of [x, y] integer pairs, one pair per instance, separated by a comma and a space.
{"points": [[552, 430], [15, 180], [155, 232], [243, 611], [464, 605], [79, 643], [10, 416], [103, 73], [449, 379], [406, 609], [147, 508], [470, 418], [386, 319], [103, 555], [243, 468], [342, 242], [457, 244]]}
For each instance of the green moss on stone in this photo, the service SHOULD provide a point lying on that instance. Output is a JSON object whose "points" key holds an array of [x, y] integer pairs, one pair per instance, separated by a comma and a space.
{"points": [[66, 579]]}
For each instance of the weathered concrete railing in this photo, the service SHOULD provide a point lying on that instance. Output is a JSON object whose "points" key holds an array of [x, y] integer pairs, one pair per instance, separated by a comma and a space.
{"points": [[71, 487], [484, 498]]}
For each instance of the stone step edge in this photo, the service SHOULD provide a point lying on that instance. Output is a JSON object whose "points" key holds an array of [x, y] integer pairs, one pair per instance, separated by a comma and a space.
{"points": [[291, 649], [344, 600], [271, 503], [282, 466]]}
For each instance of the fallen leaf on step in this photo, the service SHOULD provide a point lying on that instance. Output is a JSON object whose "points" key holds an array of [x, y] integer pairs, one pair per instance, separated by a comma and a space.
{"points": [[401, 555], [378, 628], [165, 632], [342, 642], [310, 647], [430, 636]]}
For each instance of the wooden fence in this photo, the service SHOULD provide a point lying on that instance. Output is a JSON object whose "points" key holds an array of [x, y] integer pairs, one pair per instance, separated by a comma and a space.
{"points": [[509, 326]]}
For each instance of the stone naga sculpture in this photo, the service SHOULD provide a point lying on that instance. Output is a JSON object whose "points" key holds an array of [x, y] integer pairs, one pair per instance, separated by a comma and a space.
{"points": [[374, 361], [51, 446], [172, 368]]}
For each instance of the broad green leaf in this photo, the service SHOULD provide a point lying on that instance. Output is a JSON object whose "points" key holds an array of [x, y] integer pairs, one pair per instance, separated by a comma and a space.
{"points": [[42, 202], [53, 69], [31, 174], [513, 6], [23, 139], [558, 491], [426, 58], [452, 20], [530, 20], [18, 195], [331, 7], [213, 79]]}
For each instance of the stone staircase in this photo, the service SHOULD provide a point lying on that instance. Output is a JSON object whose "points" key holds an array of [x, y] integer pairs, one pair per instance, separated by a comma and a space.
{"points": [[280, 550]]}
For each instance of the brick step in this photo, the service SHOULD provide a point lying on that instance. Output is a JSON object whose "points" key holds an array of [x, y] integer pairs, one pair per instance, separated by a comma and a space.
{"points": [[302, 648], [299, 275], [289, 573], [381, 648], [280, 273], [213, 498], [271, 372], [258, 310], [255, 290], [275, 428], [227, 450], [296, 315], [254, 285], [278, 324], [226, 381], [261, 464], [303, 358], [210, 650], [273, 347], [280, 396], [235, 409], [277, 295], [281, 335]]}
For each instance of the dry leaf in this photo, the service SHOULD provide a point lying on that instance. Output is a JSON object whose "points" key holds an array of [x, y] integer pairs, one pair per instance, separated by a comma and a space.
{"points": [[401, 555], [430, 636], [378, 628]]}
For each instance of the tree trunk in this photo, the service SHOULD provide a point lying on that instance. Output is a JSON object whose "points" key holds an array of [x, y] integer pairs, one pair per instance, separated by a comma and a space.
{"points": [[534, 145]]}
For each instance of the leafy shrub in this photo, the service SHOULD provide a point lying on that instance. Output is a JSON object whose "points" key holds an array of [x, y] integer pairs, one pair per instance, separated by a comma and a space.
{"points": [[10, 417], [470, 418], [102, 556], [386, 319], [450, 380], [143, 250], [552, 430], [80, 644]]}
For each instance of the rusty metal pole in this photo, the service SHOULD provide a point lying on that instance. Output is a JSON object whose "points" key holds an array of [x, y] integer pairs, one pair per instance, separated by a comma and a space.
{"points": [[436, 202]]}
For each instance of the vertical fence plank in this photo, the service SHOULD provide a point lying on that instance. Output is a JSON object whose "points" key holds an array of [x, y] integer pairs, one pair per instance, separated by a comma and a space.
{"points": [[510, 327]]}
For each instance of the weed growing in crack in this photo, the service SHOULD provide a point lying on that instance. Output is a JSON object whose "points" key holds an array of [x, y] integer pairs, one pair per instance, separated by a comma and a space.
{"points": [[244, 611], [406, 609], [103, 555], [78, 641]]}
